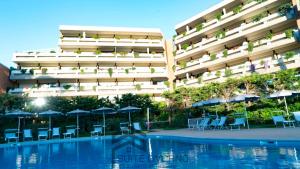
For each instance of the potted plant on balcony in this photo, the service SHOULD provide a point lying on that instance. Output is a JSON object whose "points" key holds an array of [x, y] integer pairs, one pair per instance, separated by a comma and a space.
{"points": [[96, 36], [225, 53], [228, 72], [199, 79], [81, 71], [218, 73], [138, 87], [237, 9], [67, 86], [52, 51], [185, 46], [98, 52], [44, 71], [185, 81], [250, 47], [95, 71], [152, 70], [31, 71], [182, 64], [213, 56], [218, 16], [126, 71], [258, 17], [78, 51], [287, 10], [117, 38], [81, 88], [289, 55], [74, 68], [289, 33], [220, 34], [167, 83], [199, 27], [136, 54], [110, 72], [23, 71], [269, 35]]}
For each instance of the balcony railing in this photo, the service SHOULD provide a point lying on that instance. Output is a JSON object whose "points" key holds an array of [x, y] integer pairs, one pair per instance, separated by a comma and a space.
{"points": [[233, 34], [88, 73], [87, 90], [262, 66], [251, 7], [236, 53]]}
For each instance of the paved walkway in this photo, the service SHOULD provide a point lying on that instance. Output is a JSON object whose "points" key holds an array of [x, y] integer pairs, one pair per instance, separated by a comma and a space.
{"points": [[256, 134]]}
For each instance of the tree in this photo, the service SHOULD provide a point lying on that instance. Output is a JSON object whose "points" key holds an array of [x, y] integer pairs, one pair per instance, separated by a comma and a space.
{"points": [[11, 102]]}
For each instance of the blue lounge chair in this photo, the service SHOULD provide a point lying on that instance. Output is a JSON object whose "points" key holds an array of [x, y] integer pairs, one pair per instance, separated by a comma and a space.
{"points": [[70, 132], [214, 123], [27, 134], [137, 127], [10, 134], [222, 122], [204, 123], [238, 122], [280, 119], [297, 116], [97, 130], [55, 132], [124, 128], [42, 134]]}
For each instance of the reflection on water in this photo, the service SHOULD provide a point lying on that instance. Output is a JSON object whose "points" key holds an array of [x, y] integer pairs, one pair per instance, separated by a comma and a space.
{"points": [[160, 153]]}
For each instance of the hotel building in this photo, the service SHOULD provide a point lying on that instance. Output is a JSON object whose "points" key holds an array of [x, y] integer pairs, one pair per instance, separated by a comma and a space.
{"points": [[95, 61], [236, 38]]}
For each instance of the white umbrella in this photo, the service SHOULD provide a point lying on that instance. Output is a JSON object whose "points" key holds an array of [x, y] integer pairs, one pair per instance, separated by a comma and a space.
{"points": [[18, 114], [50, 114], [103, 111], [78, 113]]}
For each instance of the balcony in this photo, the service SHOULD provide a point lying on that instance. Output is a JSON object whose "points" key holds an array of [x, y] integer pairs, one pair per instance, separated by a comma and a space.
{"points": [[90, 91], [262, 66], [102, 73], [247, 10], [71, 57], [259, 47], [91, 42], [249, 29]]}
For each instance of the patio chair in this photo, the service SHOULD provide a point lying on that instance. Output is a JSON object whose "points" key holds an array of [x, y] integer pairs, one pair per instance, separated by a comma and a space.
{"points": [[204, 123], [27, 134], [124, 127], [222, 122], [297, 116], [55, 132], [193, 123], [137, 127], [280, 119], [10, 134], [213, 124], [42, 134], [238, 122], [97, 130], [70, 132]]}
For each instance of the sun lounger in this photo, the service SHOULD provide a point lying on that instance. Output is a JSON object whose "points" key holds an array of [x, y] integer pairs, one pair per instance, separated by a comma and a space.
{"points": [[55, 132], [27, 134], [193, 123], [204, 123], [280, 119], [97, 130], [69, 133], [137, 127], [214, 123], [124, 127], [42, 134], [10, 134], [222, 122], [297, 116], [238, 122]]}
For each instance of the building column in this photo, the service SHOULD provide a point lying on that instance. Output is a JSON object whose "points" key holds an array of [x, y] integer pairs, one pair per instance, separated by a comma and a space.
{"points": [[83, 34], [148, 51], [187, 28], [224, 11]]}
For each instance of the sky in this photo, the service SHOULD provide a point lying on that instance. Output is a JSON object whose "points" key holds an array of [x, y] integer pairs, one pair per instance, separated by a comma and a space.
{"points": [[33, 24]]}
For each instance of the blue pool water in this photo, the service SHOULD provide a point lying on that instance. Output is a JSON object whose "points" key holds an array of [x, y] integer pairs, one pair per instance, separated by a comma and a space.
{"points": [[147, 152]]}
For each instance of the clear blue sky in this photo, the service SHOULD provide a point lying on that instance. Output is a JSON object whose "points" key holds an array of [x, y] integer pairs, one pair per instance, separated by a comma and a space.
{"points": [[33, 24]]}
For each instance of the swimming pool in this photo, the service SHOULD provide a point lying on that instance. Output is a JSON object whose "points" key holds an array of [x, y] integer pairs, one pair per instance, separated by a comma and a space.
{"points": [[149, 152]]}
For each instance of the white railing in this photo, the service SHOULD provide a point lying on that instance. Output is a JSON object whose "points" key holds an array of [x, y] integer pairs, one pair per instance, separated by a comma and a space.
{"points": [[110, 40]]}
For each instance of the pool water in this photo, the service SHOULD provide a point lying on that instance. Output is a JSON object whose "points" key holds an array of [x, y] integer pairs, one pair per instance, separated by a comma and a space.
{"points": [[146, 152]]}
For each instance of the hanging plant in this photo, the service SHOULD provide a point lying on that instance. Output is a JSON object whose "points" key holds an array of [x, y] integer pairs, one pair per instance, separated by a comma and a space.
{"points": [[126, 71], [152, 70], [110, 72]]}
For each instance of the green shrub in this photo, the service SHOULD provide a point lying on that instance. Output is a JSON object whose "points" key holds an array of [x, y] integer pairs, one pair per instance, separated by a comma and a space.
{"points": [[269, 35], [218, 16], [98, 52], [289, 55], [228, 72], [182, 64], [126, 71], [288, 33], [199, 27], [213, 56], [237, 9], [258, 17], [220, 34], [250, 47], [185, 46]]}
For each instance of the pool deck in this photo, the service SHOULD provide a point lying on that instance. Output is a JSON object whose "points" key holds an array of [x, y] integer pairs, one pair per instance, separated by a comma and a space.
{"points": [[280, 134]]}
